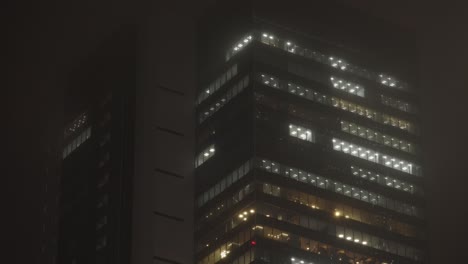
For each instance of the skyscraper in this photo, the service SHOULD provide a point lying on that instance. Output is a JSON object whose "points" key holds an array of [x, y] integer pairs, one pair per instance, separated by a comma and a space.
{"points": [[308, 140], [97, 156], [126, 195]]}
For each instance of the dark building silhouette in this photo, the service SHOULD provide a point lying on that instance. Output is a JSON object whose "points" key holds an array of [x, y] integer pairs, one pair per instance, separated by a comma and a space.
{"points": [[97, 166], [126, 191], [308, 137]]}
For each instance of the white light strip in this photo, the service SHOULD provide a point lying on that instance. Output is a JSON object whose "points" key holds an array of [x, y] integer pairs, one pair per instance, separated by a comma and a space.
{"points": [[374, 156], [347, 86]]}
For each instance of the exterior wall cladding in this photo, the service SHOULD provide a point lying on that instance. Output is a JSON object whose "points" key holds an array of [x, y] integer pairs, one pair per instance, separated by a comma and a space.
{"points": [[306, 152]]}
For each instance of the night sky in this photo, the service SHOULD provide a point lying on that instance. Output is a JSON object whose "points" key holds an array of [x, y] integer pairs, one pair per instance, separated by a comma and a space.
{"points": [[49, 39]]}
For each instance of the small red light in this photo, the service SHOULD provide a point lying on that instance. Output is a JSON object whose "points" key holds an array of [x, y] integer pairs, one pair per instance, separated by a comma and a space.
{"points": [[253, 242]]}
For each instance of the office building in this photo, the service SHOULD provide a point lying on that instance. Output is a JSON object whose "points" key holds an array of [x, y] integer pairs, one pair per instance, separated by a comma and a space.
{"points": [[308, 138], [126, 191]]}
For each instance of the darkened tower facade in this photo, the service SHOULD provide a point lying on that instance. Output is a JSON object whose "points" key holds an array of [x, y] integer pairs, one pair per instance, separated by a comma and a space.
{"points": [[308, 140]]}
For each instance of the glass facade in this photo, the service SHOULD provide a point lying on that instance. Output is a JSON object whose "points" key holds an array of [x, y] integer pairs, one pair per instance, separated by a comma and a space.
{"points": [[318, 163], [348, 87], [206, 154], [375, 156], [301, 133], [372, 135], [339, 187], [225, 98], [385, 180], [76, 142], [217, 84], [336, 102]]}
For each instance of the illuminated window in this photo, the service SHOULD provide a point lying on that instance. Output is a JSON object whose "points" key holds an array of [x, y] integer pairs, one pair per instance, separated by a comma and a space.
{"points": [[378, 137], [76, 125], [230, 94], [217, 84], [301, 133], [239, 46], [338, 187], [76, 142], [397, 104], [376, 157], [224, 183], [346, 86], [339, 210], [269, 39], [205, 155], [269, 80], [390, 81], [338, 63], [384, 180], [336, 102]]}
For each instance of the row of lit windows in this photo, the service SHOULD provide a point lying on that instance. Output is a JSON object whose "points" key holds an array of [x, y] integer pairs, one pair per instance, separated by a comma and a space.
{"points": [[221, 229], [301, 133], [335, 209], [384, 180], [358, 237], [397, 104], [319, 248], [351, 235], [225, 204], [376, 157], [227, 181], [339, 210], [373, 242], [218, 83], [285, 215], [336, 102], [231, 93], [323, 253], [222, 251], [80, 139], [76, 125], [338, 187], [347, 86], [205, 155], [334, 62], [375, 136], [239, 46]]}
